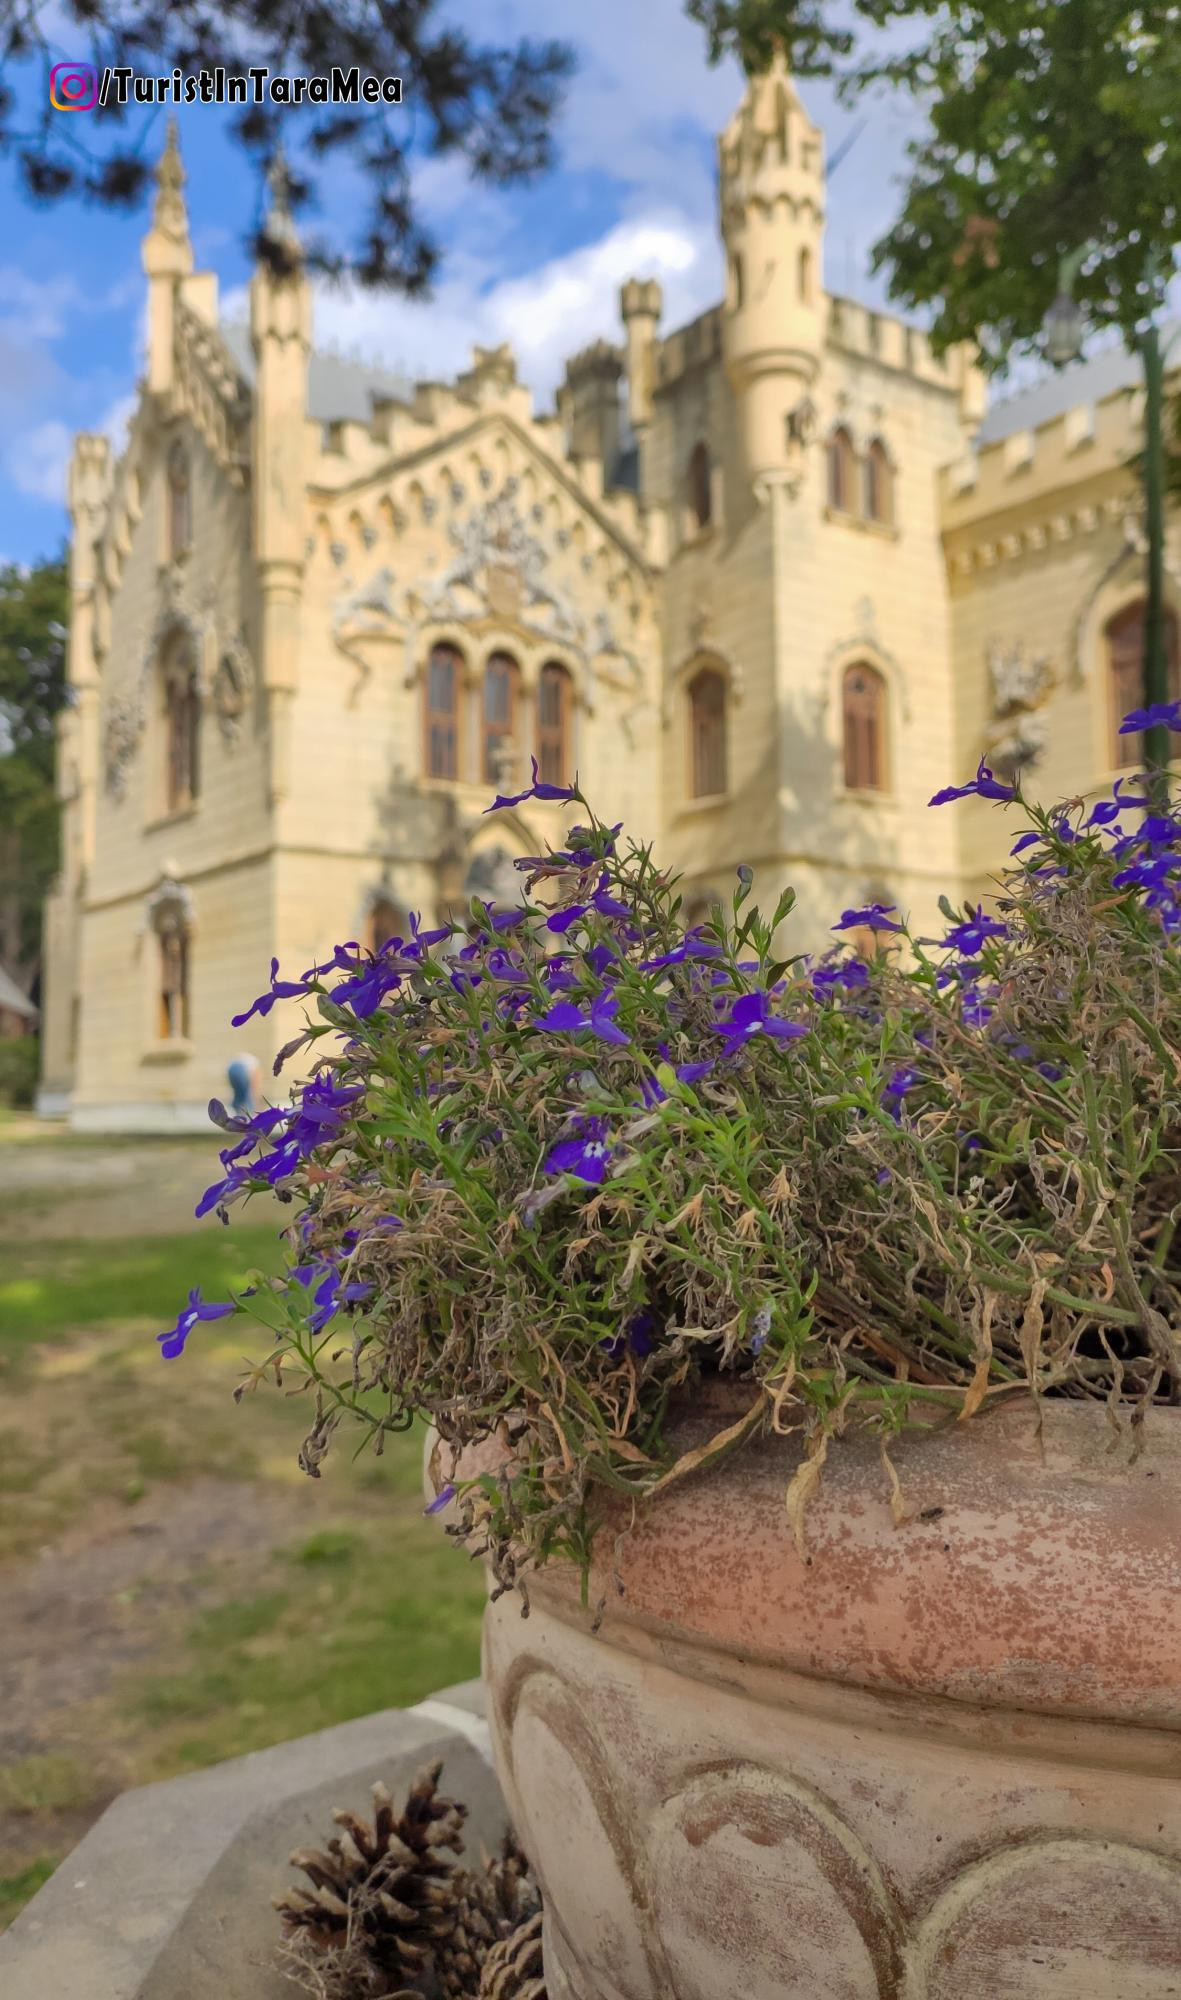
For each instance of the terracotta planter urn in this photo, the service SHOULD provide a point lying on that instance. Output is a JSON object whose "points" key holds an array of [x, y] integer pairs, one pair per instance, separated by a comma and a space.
{"points": [[935, 1761]]}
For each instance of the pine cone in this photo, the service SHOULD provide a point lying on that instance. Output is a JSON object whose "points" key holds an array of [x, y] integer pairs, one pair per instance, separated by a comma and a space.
{"points": [[382, 1896], [513, 1969], [490, 1906]]}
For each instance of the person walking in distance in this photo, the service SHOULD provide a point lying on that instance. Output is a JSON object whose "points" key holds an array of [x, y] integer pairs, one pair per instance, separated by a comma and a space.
{"points": [[243, 1073]]}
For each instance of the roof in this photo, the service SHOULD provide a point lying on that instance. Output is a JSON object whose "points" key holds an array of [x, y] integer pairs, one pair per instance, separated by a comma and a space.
{"points": [[1097, 375], [339, 391], [12, 1000]]}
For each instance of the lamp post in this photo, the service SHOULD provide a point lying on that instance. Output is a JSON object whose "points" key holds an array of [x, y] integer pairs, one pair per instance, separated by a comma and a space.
{"points": [[1063, 335]]}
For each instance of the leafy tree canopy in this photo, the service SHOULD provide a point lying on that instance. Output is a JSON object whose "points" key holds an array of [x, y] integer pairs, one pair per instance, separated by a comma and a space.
{"points": [[494, 105], [33, 610]]}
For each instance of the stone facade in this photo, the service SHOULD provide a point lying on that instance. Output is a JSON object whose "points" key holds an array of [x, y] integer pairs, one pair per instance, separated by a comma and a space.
{"points": [[714, 531]]}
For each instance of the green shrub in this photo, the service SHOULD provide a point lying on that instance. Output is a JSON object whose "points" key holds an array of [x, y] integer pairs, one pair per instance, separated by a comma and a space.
{"points": [[20, 1059]]}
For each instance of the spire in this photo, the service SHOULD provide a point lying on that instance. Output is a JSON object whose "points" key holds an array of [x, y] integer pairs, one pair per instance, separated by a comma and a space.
{"points": [[169, 217], [279, 225]]}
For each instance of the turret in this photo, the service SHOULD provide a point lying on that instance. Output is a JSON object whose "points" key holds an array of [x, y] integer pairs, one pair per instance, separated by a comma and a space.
{"points": [[167, 259], [280, 333], [640, 303], [588, 403], [771, 193]]}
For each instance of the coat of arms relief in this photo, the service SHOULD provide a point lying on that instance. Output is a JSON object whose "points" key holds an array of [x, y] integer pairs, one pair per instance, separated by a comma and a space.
{"points": [[1021, 683]]}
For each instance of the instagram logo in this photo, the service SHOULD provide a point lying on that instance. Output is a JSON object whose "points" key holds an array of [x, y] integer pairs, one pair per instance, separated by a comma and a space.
{"points": [[73, 86]]}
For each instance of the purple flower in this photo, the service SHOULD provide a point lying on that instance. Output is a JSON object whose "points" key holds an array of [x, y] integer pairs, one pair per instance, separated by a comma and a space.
{"points": [[874, 917], [851, 974], [639, 1337], [751, 1015], [605, 903], [444, 1495], [280, 989], [564, 920], [1149, 874], [694, 946], [172, 1343], [983, 786], [585, 1154], [976, 1010], [973, 934], [537, 790], [565, 1018], [1157, 713]]}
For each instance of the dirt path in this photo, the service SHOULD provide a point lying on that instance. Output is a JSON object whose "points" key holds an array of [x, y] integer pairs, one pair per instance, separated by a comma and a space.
{"points": [[55, 1185]]}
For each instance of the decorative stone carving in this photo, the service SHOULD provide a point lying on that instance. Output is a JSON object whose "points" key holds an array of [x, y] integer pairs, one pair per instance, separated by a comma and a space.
{"points": [[233, 685], [1020, 685]]}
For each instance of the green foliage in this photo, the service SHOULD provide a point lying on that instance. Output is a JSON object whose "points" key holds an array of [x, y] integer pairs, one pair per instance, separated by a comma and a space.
{"points": [[33, 610], [19, 1059], [88, 1285], [587, 1163]]}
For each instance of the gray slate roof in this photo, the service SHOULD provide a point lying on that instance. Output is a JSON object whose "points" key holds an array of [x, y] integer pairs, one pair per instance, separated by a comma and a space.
{"points": [[1097, 375], [12, 1000], [339, 391]]}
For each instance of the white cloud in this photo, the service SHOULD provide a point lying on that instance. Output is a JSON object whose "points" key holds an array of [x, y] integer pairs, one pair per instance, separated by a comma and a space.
{"points": [[545, 315], [37, 462]]}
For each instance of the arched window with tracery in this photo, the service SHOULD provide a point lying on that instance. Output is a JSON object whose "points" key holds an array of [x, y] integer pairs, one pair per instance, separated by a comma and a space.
{"points": [[863, 722], [553, 724], [501, 694], [707, 733], [171, 932], [699, 483], [386, 921], [444, 679], [840, 471], [1125, 670], [879, 484], [180, 502], [182, 726]]}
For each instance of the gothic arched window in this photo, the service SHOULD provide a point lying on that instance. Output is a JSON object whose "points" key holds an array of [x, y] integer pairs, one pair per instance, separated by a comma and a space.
{"points": [[444, 676], [840, 471], [879, 484], [386, 921], [1125, 668], [804, 277], [182, 727], [170, 929], [699, 480], [553, 724], [180, 502], [501, 687], [707, 734], [863, 717]]}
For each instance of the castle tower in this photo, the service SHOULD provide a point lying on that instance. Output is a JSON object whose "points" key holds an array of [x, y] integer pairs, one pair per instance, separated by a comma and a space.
{"points": [[640, 303], [281, 335], [771, 195], [167, 260]]}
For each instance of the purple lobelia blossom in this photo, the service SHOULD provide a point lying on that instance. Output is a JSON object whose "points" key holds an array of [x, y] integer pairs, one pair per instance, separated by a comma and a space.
{"points": [[1151, 873], [172, 1343], [280, 989], [983, 786], [442, 1498], [537, 790], [1158, 713], [565, 1018], [873, 917], [692, 946], [751, 1015], [971, 936], [586, 1153], [851, 975], [638, 1338], [899, 1084]]}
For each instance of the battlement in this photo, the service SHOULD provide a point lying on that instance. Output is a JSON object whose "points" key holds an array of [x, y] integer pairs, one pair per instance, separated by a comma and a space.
{"points": [[698, 345], [880, 337], [1022, 464], [600, 359]]}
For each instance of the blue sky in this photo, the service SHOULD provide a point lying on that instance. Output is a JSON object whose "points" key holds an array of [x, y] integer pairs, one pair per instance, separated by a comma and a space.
{"points": [[540, 266]]}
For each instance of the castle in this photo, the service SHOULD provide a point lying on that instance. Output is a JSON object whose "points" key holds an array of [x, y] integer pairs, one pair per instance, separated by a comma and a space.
{"points": [[766, 582]]}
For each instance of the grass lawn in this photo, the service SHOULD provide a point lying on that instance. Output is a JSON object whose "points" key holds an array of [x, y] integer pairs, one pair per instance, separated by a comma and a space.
{"points": [[176, 1591]]}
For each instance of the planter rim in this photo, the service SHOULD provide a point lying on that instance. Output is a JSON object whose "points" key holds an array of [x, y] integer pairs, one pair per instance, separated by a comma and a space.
{"points": [[1038, 1565]]}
